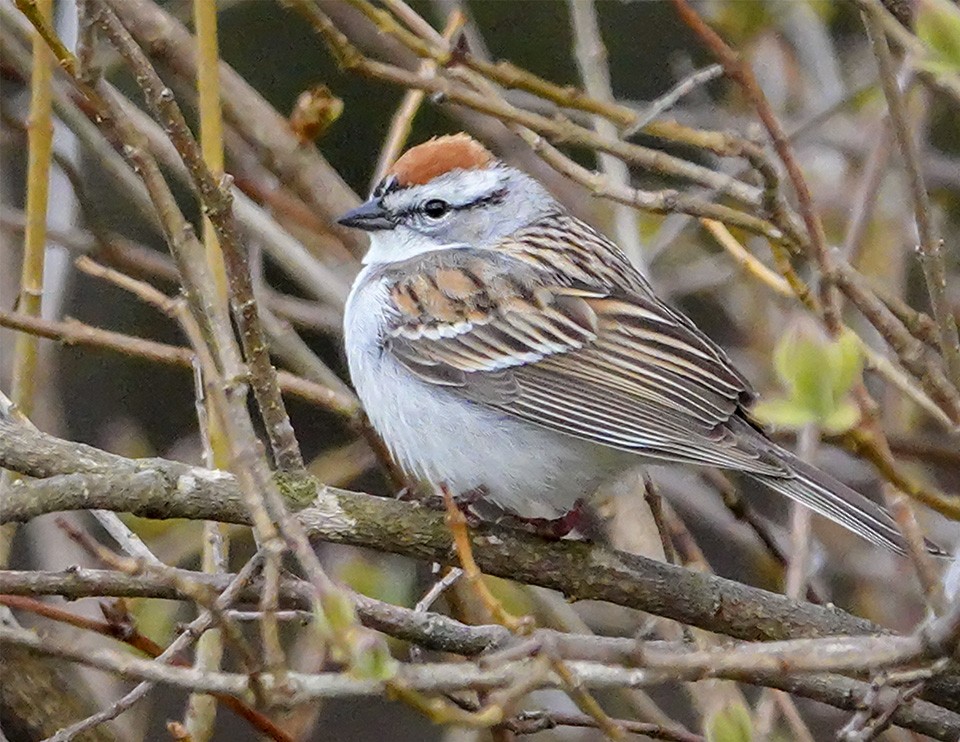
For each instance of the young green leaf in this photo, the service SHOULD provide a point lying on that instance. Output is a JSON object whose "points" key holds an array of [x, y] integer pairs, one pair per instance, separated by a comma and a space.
{"points": [[938, 26], [731, 723], [372, 659], [818, 375]]}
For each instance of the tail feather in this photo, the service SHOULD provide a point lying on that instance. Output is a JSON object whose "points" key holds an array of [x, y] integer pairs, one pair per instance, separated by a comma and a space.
{"points": [[834, 500]]}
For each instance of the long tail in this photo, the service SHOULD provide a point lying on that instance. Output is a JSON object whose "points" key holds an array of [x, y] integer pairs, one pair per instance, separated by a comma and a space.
{"points": [[834, 500]]}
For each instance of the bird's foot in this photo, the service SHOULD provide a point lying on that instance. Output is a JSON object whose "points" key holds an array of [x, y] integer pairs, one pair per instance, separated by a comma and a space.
{"points": [[407, 494], [550, 528], [464, 502]]}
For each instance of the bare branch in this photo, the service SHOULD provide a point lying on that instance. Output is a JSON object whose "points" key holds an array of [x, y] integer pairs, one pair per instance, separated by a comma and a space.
{"points": [[591, 56], [216, 199], [930, 247], [741, 73], [73, 332], [153, 487], [298, 687]]}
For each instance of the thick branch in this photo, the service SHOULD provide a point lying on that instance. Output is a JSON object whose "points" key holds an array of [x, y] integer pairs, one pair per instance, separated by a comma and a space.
{"points": [[85, 478], [428, 630], [158, 488], [844, 654]]}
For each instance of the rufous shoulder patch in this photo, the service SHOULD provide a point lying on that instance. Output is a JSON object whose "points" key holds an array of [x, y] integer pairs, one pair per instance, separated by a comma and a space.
{"points": [[423, 163]]}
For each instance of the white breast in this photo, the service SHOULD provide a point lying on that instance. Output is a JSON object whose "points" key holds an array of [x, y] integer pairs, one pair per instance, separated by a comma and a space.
{"points": [[438, 437]]}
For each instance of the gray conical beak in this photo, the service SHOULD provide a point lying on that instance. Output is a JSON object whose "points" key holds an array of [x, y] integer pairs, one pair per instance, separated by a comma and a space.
{"points": [[370, 217]]}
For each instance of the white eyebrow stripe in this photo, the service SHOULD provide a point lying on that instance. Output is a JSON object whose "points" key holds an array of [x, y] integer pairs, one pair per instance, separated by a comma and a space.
{"points": [[459, 188]]}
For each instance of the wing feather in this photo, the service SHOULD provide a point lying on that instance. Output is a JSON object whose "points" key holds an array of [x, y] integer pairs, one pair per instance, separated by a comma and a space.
{"points": [[579, 344], [613, 365], [630, 424]]}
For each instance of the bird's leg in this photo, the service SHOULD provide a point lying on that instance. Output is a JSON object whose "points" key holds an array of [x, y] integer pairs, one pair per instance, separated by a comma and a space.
{"points": [[457, 523], [552, 528], [471, 497], [464, 502]]}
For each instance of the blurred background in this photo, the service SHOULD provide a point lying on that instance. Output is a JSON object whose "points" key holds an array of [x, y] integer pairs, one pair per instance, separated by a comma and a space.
{"points": [[816, 67]]}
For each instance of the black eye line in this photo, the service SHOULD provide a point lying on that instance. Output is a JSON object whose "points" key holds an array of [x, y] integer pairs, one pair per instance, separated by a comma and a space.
{"points": [[495, 197]]}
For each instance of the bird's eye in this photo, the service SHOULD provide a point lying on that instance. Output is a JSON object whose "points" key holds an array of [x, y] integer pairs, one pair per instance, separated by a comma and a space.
{"points": [[435, 208]]}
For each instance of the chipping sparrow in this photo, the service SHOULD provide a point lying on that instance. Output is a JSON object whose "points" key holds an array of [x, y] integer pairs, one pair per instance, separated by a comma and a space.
{"points": [[501, 345]]}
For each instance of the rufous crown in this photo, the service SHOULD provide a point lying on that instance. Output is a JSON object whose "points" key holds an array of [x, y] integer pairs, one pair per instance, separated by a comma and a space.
{"points": [[421, 164]]}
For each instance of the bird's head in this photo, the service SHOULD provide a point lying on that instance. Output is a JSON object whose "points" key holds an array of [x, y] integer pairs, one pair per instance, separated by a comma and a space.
{"points": [[447, 193]]}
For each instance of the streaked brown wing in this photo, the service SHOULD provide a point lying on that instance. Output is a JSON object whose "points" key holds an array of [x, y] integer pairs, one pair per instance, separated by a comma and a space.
{"points": [[615, 366]]}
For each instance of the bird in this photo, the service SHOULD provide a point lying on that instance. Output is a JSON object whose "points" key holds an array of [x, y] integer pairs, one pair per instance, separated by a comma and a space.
{"points": [[505, 349]]}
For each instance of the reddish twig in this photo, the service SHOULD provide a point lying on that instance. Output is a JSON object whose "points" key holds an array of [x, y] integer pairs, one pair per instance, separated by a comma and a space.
{"points": [[131, 636], [740, 72]]}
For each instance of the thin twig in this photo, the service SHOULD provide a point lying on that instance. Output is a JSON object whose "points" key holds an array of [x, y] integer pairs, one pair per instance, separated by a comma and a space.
{"points": [[300, 358], [129, 634], [657, 202], [790, 288], [927, 573], [313, 276], [216, 198], [39, 156], [910, 351], [591, 56], [438, 588], [800, 523], [742, 74], [201, 712], [169, 655], [865, 442], [73, 332], [869, 439], [349, 57], [562, 615], [87, 69], [746, 260], [25, 371], [402, 121], [524, 625], [669, 99], [40, 17], [865, 198], [457, 523], [930, 247], [651, 493], [934, 384], [920, 54], [301, 168]]}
